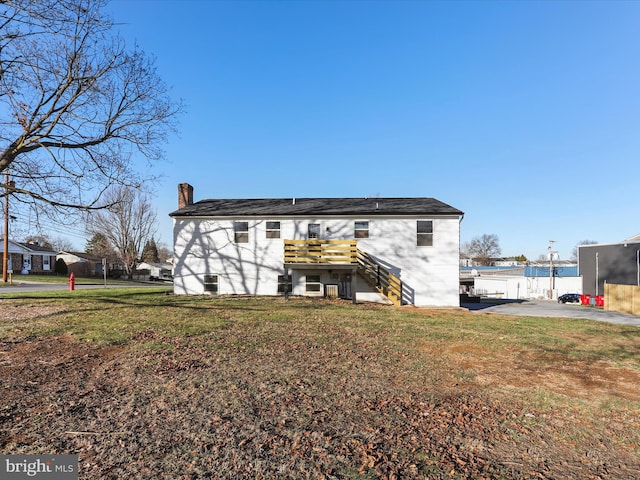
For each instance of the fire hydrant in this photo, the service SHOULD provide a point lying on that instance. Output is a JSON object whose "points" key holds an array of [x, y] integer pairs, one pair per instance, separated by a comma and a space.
{"points": [[72, 282]]}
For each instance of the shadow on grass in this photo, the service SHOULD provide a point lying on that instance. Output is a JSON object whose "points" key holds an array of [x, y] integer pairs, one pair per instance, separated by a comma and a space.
{"points": [[488, 303]]}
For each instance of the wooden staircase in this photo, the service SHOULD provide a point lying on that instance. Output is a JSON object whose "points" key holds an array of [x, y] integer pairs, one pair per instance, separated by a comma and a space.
{"points": [[343, 254], [378, 277]]}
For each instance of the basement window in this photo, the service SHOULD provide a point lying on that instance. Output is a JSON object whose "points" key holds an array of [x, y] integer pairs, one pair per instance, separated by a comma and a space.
{"points": [[284, 284], [425, 233], [211, 284], [273, 229], [241, 232], [361, 230], [312, 284]]}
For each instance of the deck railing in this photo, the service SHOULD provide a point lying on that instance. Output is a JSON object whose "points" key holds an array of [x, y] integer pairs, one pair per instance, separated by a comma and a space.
{"points": [[339, 252], [380, 278], [344, 252]]}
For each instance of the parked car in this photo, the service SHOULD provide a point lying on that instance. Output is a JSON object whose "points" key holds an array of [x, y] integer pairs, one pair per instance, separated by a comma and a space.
{"points": [[569, 298]]}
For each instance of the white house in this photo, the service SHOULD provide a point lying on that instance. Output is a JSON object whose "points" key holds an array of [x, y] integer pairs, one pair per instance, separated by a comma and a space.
{"points": [[403, 250]]}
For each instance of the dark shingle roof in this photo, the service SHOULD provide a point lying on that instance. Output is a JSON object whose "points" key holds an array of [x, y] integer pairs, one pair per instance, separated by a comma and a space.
{"points": [[316, 207], [36, 248]]}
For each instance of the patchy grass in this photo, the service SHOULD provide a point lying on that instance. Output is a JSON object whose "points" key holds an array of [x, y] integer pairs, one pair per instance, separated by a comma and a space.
{"points": [[142, 384]]}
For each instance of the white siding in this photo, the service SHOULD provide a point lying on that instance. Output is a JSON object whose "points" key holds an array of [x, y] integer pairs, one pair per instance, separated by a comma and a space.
{"points": [[206, 246]]}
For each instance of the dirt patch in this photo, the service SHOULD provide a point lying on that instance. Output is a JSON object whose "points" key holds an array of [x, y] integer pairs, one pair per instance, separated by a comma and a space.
{"points": [[259, 399], [18, 312], [210, 407], [593, 381]]}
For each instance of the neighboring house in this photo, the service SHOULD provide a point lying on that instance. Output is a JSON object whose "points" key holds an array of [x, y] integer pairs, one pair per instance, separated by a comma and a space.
{"points": [[602, 263], [505, 262], [465, 260], [28, 258], [82, 264], [403, 250]]}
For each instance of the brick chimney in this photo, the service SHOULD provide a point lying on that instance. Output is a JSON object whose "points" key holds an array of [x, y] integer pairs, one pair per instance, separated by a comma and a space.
{"points": [[185, 195]]}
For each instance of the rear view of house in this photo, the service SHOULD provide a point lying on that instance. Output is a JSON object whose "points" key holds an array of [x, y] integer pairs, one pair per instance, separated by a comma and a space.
{"points": [[399, 250]]}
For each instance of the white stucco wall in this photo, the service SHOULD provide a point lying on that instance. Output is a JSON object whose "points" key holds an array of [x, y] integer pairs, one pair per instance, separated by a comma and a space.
{"points": [[206, 246], [521, 287]]}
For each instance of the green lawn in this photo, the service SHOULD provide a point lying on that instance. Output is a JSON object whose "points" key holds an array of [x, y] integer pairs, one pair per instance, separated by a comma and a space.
{"points": [[19, 278]]}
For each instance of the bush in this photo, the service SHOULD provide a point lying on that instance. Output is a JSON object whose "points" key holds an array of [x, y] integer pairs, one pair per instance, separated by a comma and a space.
{"points": [[60, 267]]}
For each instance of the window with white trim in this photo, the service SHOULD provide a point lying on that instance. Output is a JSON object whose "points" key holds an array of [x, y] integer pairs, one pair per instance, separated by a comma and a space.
{"points": [[46, 262], [211, 284], [361, 229], [241, 232], [273, 229], [424, 233], [312, 284], [314, 230]]}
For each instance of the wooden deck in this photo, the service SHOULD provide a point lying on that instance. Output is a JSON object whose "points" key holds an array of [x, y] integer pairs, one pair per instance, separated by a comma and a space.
{"points": [[321, 252], [339, 255]]}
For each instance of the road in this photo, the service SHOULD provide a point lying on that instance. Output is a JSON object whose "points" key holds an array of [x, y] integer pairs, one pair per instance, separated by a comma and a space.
{"points": [[29, 287], [547, 308]]}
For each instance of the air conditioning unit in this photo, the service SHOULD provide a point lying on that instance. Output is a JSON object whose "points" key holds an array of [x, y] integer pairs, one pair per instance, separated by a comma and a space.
{"points": [[331, 291]]}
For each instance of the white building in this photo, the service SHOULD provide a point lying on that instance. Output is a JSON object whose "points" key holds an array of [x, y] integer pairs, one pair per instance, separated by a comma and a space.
{"points": [[531, 282], [403, 250]]}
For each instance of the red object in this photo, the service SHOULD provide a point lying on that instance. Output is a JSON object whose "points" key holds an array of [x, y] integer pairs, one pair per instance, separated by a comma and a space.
{"points": [[72, 282], [585, 299], [600, 301]]}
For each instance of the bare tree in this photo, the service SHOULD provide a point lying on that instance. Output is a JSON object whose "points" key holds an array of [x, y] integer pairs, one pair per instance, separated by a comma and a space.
{"points": [[483, 248], [61, 244], [164, 253], [40, 240], [574, 252], [75, 104], [128, 223], [57, 244]]}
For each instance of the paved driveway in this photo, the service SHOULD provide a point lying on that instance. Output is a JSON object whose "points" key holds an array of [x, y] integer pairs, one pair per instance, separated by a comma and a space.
{"points": [[547, 308]]}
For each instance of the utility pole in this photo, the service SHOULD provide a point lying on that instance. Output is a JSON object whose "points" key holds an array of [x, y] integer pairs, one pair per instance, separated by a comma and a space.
{"points": [[551, 252], [597, 274]]}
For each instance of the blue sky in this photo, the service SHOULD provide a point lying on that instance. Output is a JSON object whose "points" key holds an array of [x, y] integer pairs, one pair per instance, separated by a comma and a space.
{"points": [[524, 115]]}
